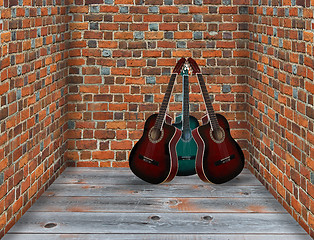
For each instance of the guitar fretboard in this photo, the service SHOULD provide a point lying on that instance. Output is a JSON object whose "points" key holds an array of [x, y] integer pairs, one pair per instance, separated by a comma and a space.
{"points": [[161, 115], [209, 107], [186, 110]]}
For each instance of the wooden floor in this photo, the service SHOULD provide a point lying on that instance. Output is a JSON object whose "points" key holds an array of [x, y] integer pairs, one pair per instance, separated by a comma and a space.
{"points": [[106, 203]]}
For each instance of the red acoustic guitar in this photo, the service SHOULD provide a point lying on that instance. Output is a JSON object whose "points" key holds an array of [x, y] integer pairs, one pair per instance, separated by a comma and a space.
{"points": [[154, 158], [219, 158]]}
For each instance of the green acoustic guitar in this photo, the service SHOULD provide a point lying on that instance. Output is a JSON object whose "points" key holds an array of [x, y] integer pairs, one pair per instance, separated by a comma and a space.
{"points": [[186, 147]]}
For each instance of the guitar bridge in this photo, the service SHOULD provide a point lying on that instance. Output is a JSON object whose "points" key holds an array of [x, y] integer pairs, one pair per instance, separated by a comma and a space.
{"points": [[149, 160], [224, 160]]}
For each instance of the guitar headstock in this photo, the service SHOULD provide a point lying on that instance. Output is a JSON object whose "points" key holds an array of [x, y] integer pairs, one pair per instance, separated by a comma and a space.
{"points": [[194, 66], [179, 65], [186, 69]]}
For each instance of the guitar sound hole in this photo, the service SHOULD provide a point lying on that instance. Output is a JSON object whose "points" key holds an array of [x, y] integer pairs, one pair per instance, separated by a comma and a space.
{"points": [[155, 135], [218, 135]]}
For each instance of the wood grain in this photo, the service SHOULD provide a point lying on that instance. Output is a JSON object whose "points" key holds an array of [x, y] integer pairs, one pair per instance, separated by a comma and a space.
{"points": [[174, 223], [105, 203], [196, 190], [145, 204], [81, 176]]}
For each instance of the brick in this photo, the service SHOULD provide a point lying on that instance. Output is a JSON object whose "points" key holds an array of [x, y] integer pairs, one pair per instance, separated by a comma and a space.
{"points": [[103, 97], [87, 2], [93, 35], [3, 221], [138, 9], [212, 53], [79, 9], [104, 134], [103, 155], [136, 62], [120, 164], [123, 18], [224, 44], [197, 27], [76, 62], [120, 71], [89, 89], [87, 164], [135, 80], [4, 113], [102, 116], [86, 144], [121, 145], [154, 35], [182, 53], [93, 80], [152, 18], [152, 53], [77, 26], [183, 35], [123, 1], [9, 199], [168, 27], [241, 53], [165, 62], [224, 97], [163, 44], [123, 35], [116, 125], [118, 106], [228, 10], [5, 37]]}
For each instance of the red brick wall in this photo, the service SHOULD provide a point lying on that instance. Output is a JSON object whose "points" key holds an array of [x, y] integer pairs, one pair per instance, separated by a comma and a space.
{"points": [[79, 78], [280, 101], [33, 70], [121, 58]]}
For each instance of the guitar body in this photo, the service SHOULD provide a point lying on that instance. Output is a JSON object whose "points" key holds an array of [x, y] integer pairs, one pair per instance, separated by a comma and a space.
{"points": [[156, 161], [186, 149], [218, 159]]}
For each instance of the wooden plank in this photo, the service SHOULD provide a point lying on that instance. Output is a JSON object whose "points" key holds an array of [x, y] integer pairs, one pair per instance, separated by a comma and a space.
{"points": [[108, 203], [205, 190], [174, 223], [111, 176], [155, 237], [135, 204]]}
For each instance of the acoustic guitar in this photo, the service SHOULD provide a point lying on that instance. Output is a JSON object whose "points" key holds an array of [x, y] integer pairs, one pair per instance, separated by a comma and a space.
{"points": [[219, 158], [153, 158], [186, 147]]}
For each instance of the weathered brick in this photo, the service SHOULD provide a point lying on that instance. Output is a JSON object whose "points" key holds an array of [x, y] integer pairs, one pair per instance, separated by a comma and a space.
{"points": [[121, 145], [4, 113], [102, 155], [92, 77], [87, 2]]}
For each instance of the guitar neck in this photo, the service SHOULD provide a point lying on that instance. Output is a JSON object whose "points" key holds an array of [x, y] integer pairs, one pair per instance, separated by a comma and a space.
{"points": [[161, 115], [185, 106], [209, 107]]}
